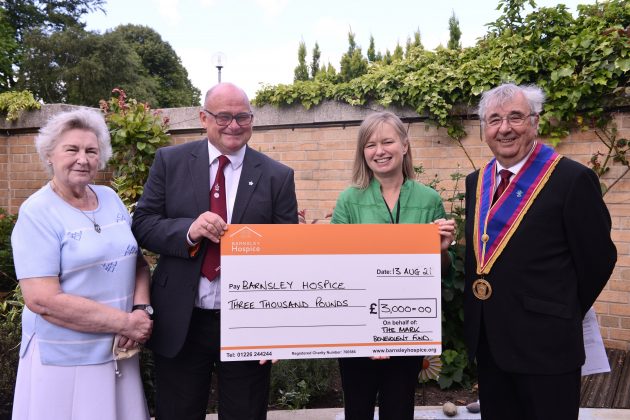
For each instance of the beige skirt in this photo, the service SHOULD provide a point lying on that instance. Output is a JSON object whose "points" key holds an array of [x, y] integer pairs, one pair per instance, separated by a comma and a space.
{"points": [[92, 392]]}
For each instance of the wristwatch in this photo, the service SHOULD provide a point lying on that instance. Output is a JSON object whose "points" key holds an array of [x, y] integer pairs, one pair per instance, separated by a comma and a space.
{"points": [[146, 308]]}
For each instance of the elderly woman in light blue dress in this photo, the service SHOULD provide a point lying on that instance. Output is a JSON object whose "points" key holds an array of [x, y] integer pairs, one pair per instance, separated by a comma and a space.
{"points": [[82, 276]]}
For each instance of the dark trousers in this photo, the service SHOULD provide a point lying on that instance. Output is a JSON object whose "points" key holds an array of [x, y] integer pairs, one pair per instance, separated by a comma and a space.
{"points": [[506, 395], [183, 382], [393, 380]]}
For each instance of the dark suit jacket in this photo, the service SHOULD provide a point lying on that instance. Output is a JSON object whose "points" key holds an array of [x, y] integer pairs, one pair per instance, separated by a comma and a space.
{"points": [[548, 276], [176, 192]]}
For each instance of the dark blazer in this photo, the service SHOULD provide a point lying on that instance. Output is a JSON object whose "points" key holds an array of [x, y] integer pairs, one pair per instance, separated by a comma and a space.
{"points": [[548, 276], [175, 194]]}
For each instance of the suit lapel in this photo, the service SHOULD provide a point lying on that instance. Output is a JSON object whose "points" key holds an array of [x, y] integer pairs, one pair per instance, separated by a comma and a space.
{"points": [[247, 184], [199, 167]]}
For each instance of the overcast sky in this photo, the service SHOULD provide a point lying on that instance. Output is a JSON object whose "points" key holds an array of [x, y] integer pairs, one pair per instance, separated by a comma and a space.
{"points": [[260, 38]]}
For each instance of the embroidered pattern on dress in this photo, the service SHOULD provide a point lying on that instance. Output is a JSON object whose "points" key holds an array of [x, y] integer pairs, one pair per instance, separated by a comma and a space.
{"points": [[75, 235], [110, 266], [131, 250]]}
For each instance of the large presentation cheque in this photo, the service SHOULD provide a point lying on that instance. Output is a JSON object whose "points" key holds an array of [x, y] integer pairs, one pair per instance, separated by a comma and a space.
{"points": [[316, 291]]}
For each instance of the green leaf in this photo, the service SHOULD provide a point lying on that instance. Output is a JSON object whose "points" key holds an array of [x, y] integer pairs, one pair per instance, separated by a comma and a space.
{"points": [[623, 64]]}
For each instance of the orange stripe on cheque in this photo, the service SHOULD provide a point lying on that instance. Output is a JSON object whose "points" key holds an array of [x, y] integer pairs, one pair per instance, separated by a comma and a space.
{"points": [[330, 239], [301, 346]]}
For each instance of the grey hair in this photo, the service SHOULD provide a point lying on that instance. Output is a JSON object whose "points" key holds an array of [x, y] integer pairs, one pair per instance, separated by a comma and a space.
{"points": [[501, 94], [82, 119], [361, 172]]}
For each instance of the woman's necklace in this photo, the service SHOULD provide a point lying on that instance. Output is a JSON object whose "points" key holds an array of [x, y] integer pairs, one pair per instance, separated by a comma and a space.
{"points": [[92, 219]]}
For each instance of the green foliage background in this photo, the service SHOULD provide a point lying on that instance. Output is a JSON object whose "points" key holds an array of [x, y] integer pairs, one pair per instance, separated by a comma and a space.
{"points": [[21, 17], [45, 49], [581, 63], [10, 315], [13, 103]]}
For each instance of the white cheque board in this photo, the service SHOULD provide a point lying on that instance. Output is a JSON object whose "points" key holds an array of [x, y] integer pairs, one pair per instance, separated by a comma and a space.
{"points": [[322, 291]]}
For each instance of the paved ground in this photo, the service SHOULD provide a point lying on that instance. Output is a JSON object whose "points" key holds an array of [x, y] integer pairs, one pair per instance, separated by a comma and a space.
{"points": [[428, 413]]}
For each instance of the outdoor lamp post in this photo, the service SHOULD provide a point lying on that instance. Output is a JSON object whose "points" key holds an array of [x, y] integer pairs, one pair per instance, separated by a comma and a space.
{"points": [[218, 59]]}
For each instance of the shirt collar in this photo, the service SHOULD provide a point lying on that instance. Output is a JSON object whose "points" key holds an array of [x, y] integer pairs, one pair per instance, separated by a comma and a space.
{"points": [[516, 168], [236, 159]]}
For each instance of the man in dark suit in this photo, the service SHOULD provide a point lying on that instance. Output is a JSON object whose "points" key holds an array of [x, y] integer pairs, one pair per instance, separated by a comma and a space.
{"points": [[538, 254], [174, 219]]}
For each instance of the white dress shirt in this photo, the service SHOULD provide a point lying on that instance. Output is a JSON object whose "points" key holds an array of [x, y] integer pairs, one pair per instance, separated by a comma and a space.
{"points": [[209, 292], [514, 169]]}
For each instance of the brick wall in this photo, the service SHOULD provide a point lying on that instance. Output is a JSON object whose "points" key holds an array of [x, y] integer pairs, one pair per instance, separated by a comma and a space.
{"points": [[319, 145]]}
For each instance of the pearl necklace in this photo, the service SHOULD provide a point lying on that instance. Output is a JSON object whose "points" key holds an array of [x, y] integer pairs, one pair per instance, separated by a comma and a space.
{"points": [[92, 219]]}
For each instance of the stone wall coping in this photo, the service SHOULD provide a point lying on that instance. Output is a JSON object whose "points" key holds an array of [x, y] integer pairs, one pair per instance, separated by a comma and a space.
{"points": [[268, 116]]}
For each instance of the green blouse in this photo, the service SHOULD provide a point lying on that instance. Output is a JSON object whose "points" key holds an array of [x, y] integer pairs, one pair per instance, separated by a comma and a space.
{"points": [[418, 204]]}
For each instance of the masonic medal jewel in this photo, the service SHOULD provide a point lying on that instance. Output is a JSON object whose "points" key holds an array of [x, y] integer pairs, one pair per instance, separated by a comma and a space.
{"points": [[481, 289]]}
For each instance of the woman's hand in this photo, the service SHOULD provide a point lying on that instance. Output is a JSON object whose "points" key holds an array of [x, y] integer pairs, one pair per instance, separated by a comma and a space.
{"points": [[126, 343], [447, 232], [138, 326]]}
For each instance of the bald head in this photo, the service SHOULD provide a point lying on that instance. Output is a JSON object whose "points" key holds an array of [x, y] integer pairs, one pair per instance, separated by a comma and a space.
{"points": [[225, 89]]}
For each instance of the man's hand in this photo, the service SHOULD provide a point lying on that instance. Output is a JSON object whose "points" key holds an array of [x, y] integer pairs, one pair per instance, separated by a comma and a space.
{"points": [[207, 225]]}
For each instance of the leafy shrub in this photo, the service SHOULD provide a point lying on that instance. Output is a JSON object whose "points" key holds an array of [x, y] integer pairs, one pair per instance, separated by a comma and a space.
{"points": [[8, 280], [11, 304], [137, 133], [10, 335], [298, 383], [455, 367], [13, 103]]}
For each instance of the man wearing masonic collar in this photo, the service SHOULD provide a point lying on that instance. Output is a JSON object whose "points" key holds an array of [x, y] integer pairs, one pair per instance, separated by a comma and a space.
{"points": [[538, 254]]}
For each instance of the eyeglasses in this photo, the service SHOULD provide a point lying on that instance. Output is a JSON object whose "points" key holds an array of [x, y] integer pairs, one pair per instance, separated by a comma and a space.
{"points": [[515, 120], [224, 119]]}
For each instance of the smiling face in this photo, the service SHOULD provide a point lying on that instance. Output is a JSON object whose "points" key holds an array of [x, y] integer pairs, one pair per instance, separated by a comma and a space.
{"points": [[384, 152], [226, 98], [75, 158], [510, 143]]}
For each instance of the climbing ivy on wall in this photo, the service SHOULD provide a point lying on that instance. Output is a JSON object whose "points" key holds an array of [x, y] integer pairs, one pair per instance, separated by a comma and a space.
{"points": [[582, 64]]}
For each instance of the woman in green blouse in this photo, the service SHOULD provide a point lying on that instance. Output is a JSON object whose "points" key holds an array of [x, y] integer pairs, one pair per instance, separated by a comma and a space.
{"points": [[384, 191]]}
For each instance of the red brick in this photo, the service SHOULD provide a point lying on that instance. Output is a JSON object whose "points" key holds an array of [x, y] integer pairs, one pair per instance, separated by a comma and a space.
{"points": [[619, 334], [343, 154], [319, 155], [621, 285], [294, 155], [609, 321], [619, 309], [614, 297]]}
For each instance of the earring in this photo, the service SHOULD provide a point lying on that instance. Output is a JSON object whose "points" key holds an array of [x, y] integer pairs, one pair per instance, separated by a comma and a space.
{"points": [[49, 163]]}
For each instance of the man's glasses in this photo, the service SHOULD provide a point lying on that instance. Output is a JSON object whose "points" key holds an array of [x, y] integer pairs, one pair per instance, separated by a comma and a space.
{"points": [[515, 120], [224, 119]]}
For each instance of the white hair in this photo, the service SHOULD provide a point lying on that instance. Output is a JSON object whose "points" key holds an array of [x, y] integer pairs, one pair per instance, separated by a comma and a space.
{"points": [[501, 94], [83, 119]]}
